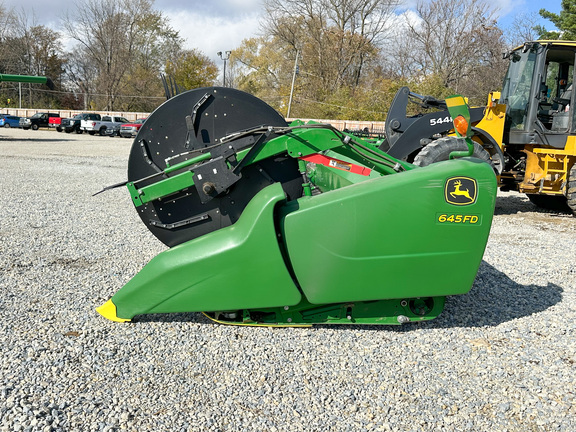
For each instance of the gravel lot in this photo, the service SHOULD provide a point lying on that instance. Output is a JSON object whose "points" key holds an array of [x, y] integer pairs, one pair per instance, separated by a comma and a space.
{"points": [[501, 358]]}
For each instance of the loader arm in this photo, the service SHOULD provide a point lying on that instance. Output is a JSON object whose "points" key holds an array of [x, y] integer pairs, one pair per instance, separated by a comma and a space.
{"points": [[405, 134]]}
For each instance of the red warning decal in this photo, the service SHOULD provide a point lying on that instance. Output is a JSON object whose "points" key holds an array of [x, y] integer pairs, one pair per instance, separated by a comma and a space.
{"points": [[336, 163]]}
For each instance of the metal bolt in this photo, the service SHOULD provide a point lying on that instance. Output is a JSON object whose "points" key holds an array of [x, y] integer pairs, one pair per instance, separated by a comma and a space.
{"points": [[289, 320], [208, 188], [403, 319], [403, 303], [286, 307]]}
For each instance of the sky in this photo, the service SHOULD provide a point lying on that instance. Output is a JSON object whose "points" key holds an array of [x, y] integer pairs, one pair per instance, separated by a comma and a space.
{"points": [[221, 25]]}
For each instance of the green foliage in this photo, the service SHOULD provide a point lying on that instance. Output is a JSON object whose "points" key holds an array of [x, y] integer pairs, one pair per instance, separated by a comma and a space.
{"points": [[344, 72], [565, 22], [351, 58], [263, 67], [192, 69], [137, 78]]}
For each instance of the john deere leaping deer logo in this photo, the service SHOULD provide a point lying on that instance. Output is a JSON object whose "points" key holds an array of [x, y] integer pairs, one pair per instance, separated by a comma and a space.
{"points": [[460, 191]]}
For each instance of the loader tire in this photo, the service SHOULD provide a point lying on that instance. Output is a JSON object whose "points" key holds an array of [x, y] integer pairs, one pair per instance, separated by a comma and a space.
{"points": [[571, 190], [440, 149]]}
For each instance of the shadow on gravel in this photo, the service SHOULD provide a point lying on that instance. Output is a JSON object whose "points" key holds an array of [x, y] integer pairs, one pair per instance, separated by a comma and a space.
{"points": [[35, 140], [494, 299], [511, 205]]}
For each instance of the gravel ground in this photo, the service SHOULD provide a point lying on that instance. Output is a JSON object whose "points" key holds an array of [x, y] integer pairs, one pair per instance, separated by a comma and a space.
{"points": [[501, 358]]}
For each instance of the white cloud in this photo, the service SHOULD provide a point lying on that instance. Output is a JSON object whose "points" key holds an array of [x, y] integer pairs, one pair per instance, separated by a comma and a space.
{"points": [[409, 16], [228, 8], [244, 5], [211, 34], [506, 7]]}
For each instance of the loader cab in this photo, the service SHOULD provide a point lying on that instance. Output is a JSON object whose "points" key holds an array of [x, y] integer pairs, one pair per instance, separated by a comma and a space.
{"points": [[538, 93]]}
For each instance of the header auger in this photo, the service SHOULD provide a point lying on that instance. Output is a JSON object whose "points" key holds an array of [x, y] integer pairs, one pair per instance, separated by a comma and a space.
{"points": [[270, 223]]}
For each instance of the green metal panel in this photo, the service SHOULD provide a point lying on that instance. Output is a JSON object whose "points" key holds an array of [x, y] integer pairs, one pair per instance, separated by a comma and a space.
{"points": [[161, 189], [392, 237], [28, 79], [299, 143], [24, 78], [237, 267]]}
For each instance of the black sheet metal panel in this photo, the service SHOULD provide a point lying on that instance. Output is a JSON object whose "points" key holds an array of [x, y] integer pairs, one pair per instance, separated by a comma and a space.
{"points": [[193, 121]]}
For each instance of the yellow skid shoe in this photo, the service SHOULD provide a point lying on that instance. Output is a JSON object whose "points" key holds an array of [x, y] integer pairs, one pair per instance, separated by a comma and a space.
{"points": [[108, 311]]}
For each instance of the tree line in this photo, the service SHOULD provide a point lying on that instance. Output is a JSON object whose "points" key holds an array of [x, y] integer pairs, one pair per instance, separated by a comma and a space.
{"points": [[339, 59], [120, 48]]}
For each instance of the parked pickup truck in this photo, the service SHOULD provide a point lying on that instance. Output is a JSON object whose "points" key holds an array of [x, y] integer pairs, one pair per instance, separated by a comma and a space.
{"points": [[38, 120], [54, 122], [129, 130], [107, 125], [73, 124]]}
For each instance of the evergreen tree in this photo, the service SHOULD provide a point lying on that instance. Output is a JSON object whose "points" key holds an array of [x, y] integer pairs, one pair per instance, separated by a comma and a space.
{"points": [[565, 22]]}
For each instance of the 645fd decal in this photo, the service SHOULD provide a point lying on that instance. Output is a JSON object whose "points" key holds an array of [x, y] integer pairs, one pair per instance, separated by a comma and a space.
{"points": [[460, 191]]}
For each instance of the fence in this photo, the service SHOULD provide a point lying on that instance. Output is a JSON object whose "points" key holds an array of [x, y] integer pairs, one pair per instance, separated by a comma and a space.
{"points": [[25, 112], [371, 127]]}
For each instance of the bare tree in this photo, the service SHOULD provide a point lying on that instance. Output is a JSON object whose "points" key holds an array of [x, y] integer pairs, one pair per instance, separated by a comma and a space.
{"points": [[101, 30], [121, 38], [453, 40], [334, 37], [27, 48], [6, 22], [522, 29], [8, 55], [263, 66]]}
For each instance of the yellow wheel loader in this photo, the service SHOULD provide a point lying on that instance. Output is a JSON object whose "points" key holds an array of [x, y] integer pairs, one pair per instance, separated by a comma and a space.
{"points": [[527, 131]]}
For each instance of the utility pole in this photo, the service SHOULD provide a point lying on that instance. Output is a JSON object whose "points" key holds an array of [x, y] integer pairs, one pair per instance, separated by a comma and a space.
{"points": [[224, 57], [293, 81]]}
